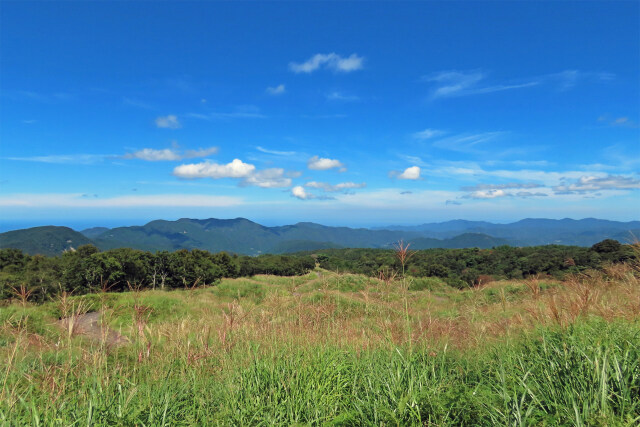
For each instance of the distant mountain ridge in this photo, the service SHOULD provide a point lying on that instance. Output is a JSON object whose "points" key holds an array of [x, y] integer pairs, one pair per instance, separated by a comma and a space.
{"points": [[243, 236], [534, 231]]}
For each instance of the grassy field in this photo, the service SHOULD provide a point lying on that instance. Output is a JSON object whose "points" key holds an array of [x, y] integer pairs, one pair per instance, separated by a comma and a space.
{"points": [[328, 349]]}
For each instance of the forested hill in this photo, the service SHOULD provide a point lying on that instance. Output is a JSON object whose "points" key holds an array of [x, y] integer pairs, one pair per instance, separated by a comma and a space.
{"points": [[243, 236], [48, 240]]}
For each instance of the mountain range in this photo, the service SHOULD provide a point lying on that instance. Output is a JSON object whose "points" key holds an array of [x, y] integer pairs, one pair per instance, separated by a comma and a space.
{"points": [[243, 236]]}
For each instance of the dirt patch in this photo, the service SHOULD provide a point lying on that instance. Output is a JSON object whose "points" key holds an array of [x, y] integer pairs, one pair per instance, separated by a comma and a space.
{"points": [[88, 324]]}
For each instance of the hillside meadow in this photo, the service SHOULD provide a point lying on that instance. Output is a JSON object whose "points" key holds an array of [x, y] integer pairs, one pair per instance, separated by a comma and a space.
{"points": [[330, 349]]}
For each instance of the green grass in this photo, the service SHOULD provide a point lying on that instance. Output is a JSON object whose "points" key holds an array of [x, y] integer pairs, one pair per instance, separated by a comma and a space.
{"points": [[251, 352], [587, 375]]}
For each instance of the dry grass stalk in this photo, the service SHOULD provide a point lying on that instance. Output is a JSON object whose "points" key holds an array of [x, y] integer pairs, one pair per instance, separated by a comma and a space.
{"points": [[22, 293]]}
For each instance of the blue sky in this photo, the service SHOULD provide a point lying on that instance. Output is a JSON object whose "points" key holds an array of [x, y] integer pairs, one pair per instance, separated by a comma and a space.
{"points": [[355, 113]]}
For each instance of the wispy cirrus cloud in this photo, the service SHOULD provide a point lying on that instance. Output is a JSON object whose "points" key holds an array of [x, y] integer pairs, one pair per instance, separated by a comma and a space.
{"points": [[343, 186], [330, 61], [453, 83], [169, 154], [622, 121], [168, 122], [509, 185], [339, 96], [80, 200], [276, 90], [276, 152], [467, 142], [42, 97], [498, 193], [463, 83], [65, 159], [239, 112], [593, 184], [427, 134]]}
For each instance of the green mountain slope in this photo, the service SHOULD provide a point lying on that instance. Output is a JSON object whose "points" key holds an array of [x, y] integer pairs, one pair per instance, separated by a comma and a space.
{"points": [[48, 240], [243, 236], [466, 240]]}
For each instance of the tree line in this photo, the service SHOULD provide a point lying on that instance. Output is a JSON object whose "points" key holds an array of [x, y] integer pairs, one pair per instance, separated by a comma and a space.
{"points": [[468, 267], [88, 269]]}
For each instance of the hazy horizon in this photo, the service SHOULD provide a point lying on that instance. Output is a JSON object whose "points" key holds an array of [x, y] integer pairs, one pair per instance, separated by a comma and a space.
{"points": [[339, 113]]}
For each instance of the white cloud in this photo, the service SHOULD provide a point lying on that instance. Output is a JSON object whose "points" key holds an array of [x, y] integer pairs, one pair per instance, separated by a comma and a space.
{"points": [[239, 112], [588, 184], [427, 134], [466, 142], [325, 186], [339, 96], [321, 164], [457, 83], [151, 155], [201, 152], [70, 159], [168, 122], [300, 193], [411, 173], [487, 194], [169, 154], [276, 90], [275, 152], [330, 61], [268, 178], [525, 194], [510, 185], [236, 169], [81, 201]]}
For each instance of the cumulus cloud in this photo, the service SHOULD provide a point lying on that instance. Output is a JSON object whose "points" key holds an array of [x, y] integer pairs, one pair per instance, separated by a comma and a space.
{"points": [[343, 186], [331, 61], [299, 192], [427, 134], [487, 194], [168, 122], [591, 184], [169, 154], [411, 173], [321, 164], [236, 169], [246, 172], [276, 90]]}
